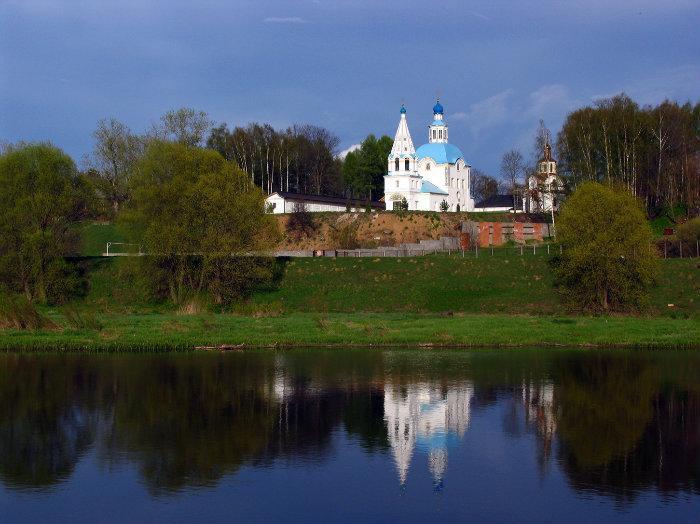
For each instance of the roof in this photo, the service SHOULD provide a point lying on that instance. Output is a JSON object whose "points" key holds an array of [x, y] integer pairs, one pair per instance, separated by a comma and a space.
{"points": [[496, 201], [429, 187], [437, 108], [438, 123], [322, 199], [441, 153]]}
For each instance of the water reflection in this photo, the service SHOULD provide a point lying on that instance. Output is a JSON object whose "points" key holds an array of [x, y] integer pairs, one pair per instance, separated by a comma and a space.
{"points": [[615, 424], [426, 416]]}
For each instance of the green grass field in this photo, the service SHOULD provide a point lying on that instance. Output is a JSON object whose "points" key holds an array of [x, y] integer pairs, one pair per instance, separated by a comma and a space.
{"points": [[493, 300], [168, 331]]}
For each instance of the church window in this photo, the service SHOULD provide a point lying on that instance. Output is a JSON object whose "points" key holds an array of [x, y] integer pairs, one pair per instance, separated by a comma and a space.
{"points": [[396, 164], [427, 167], [440, 133], [433, 133], [407, 164], [457, 167]]}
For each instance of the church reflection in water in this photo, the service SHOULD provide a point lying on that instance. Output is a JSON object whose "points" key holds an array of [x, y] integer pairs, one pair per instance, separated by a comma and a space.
{"points": [[426, 418], [616, 425]]}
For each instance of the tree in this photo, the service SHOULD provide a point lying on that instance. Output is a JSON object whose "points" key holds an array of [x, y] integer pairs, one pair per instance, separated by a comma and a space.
{"points": [[512, 168], [483, 186], [42, 197], [198, 218], [115, 154], [184, 125], [444, 206], [607, 262], [301, 222], [364, 168]]}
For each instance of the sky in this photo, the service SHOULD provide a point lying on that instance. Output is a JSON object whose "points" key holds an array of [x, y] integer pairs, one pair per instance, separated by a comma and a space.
{"points": [[347, 65]]}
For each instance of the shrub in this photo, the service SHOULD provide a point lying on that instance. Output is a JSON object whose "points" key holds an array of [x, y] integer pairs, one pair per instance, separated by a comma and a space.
{"points": [[345, 237], [607, 263], [18, 313], [301, 222], [82, 319]]}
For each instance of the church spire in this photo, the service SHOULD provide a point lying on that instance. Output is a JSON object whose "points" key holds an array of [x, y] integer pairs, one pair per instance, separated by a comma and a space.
{"points": [[402, 156], [403, 144]]}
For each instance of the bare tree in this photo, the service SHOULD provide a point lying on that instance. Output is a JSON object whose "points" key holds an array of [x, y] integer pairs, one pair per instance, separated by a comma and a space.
{"points": [[512, 169]]}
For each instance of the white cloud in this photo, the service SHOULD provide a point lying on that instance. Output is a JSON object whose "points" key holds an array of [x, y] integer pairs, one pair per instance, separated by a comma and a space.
{"points": [[350, 149], [285, 20], [549, 100], [487, 113]]}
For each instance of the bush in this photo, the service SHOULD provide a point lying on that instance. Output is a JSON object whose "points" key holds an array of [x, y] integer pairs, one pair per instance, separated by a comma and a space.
{"points": [[301, 222], [608, 262], [82, 319], [345, 237], [19, 313]]}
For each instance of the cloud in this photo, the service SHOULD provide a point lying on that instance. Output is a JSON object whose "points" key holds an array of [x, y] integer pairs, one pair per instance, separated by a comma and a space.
{"points": [[350, 149], [549, 100], [487, 113], [285, 20], [479, 15]]}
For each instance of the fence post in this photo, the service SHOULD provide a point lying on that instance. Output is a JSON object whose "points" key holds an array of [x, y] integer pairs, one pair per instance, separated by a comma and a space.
{"points": [[664, 248], [548, 248], [534, 247], [492, 250], [521, 250], [680, 248]]}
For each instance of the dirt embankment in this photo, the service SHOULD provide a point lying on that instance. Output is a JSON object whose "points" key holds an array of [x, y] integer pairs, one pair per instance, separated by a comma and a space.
{"points": [[352, 230]]}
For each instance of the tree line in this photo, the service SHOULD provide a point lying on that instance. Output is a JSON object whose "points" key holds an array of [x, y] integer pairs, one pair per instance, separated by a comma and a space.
{"points": [[652, 151]]}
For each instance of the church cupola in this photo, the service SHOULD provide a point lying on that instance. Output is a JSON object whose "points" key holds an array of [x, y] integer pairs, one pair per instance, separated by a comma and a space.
{"points": [[547, 166], [402, 158], [437, 130]]}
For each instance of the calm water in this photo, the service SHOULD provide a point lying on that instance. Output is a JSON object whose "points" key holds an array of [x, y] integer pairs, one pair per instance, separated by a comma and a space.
{"points": [[351, 436]]}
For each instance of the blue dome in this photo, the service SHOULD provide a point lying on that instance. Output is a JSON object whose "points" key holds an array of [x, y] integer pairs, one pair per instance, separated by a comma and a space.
{"points": [[403, 110], [437, 108], [441, 153]]}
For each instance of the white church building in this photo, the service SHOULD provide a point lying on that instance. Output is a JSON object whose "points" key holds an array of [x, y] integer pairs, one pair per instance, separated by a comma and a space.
{"points": [[422, 179]]}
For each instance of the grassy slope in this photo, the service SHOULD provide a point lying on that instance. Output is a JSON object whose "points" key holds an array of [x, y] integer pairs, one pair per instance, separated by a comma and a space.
{"points": [[501, 300], [504, 283]]}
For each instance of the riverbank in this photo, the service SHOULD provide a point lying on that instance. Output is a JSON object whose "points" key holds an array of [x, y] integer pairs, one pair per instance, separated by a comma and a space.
{"points": [[169, 331]]}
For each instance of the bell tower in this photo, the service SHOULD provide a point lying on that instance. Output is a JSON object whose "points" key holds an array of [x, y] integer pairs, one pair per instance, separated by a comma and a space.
{"points": [[437, 130], [402, 158]]}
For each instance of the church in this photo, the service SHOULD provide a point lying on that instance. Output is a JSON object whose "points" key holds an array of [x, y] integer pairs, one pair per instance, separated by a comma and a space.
{"points": [[434, 177]]}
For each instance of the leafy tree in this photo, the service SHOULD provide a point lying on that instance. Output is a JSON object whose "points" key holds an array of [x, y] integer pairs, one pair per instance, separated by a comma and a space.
{"points": [[184, 125], [42, 196], [444, 206], [197, 216], [364, 168], [607, 263], [115, 153]]}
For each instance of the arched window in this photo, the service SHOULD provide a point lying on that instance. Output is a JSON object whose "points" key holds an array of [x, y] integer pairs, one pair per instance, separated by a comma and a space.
{"points": [[427, 167], [433, 133], [457, 166], [396, 164], [440, 133], [407, 165]]}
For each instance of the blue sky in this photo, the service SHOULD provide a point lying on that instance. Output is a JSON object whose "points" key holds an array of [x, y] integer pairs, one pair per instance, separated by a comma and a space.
{"points": [[499, 66]]}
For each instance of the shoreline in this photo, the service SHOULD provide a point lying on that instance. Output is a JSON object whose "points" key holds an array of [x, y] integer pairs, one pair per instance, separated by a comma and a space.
{"points": [[210, 332]]}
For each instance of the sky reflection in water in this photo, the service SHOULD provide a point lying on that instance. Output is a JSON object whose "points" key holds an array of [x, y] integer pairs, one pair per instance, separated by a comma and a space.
{"points": [[492, 436]]}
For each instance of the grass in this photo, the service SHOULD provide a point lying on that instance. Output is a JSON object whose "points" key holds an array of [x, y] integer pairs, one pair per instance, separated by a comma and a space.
{"points": [[176, 332], [95, 236], [499, 300]]}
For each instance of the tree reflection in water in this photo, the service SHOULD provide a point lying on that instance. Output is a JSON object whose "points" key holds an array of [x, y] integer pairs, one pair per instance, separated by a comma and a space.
{"points": [[617, 423]]}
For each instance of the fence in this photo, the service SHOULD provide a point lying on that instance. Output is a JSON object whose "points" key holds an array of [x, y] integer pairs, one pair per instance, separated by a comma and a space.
{"points": [[678, 248]]}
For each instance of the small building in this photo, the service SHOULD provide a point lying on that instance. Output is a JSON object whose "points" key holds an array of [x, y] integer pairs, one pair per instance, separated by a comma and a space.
{"points": [[499, 203], [544, 186], [285, 202]]}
